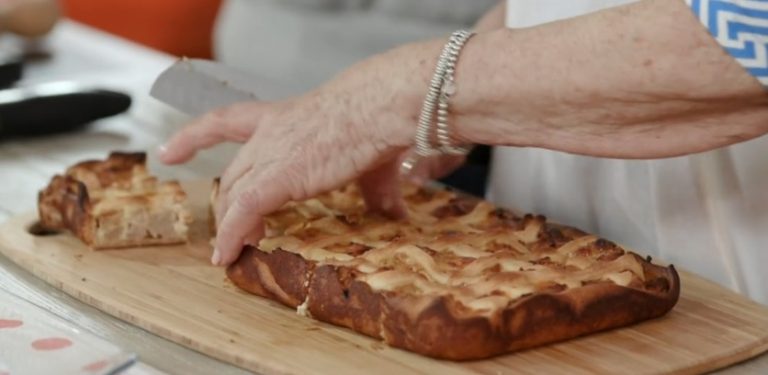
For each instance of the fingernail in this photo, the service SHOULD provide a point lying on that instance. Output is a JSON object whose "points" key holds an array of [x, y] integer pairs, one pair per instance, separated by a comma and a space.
{"points": [[162, 150], [216, 257]]}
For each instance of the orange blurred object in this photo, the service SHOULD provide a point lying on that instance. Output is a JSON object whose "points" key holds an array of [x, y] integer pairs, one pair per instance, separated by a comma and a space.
{"points": [[178, 27]]}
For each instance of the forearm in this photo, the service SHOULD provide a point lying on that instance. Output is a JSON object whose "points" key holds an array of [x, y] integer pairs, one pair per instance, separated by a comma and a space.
{"points": [[640, 81]]}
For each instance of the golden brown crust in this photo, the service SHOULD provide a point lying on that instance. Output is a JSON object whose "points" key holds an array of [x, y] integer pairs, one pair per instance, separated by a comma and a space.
{"points": [[64, 205], [115, 203], [571, 295], [118, 170], [533, 321]]}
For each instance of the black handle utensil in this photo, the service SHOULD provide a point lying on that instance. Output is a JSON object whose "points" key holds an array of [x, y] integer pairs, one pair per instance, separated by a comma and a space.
{"points": [[55, 108]]}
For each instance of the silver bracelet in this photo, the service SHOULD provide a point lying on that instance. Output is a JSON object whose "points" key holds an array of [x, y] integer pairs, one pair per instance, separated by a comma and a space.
{"points": [[441, 88]]}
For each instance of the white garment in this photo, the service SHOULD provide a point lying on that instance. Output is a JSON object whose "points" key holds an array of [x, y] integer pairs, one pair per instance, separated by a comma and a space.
{"points": [[707, 213]]}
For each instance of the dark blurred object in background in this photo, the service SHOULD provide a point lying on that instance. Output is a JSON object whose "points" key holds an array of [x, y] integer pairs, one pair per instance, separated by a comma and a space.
{"points": [[178, 27], [11, 69], [472, 177], [53, 108]]}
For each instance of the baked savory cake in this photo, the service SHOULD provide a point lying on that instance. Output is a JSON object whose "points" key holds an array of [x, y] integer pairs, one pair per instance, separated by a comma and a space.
{"points": [[459, 279], [115, 203]]}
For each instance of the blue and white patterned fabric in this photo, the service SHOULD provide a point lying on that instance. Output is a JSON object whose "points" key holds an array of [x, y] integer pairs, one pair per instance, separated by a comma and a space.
{"points": [[741, 27]]}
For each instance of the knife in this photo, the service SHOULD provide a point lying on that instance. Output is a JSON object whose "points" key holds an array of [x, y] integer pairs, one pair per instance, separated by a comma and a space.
{"points": [[57, 107], [10, 70], [196, 86]]}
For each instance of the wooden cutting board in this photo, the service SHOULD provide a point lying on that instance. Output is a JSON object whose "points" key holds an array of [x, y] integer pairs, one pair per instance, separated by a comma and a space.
{"points": [[175, 293]]}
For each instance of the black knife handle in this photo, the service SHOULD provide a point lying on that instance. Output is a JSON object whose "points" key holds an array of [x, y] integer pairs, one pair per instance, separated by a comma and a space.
{"points": [[10, 72], [52, 114]]}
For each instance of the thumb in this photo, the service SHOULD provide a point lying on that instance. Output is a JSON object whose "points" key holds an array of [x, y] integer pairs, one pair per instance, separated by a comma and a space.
{"points": [[381, 190]]}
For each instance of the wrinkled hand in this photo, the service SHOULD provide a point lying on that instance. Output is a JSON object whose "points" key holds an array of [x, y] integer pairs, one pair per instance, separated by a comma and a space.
{"points": [[357, 126]]}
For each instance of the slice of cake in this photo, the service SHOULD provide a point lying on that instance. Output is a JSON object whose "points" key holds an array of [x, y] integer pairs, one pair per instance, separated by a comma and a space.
{"points": [[116, 203]]}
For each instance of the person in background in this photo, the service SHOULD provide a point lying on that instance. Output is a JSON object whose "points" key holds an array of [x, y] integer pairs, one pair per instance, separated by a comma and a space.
{"points": [[28, 18], [651, 79]]}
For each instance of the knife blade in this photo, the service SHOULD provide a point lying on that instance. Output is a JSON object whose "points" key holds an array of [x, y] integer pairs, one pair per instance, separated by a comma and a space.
{"points": [[196, 86]]}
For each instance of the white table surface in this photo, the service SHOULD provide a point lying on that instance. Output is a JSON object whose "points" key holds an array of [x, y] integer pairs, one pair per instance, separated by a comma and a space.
{"points": [[83, 54]]}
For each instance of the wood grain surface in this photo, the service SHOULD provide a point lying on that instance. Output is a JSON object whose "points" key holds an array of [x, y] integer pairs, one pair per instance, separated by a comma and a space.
{"points": [[175, 293]]}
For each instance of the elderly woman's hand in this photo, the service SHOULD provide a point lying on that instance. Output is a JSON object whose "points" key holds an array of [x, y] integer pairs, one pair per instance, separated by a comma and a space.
{"points": [[357, 126]]}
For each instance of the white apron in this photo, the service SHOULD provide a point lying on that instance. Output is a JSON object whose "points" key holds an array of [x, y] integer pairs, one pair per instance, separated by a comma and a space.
{"points": [[707, 213]]}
